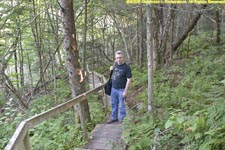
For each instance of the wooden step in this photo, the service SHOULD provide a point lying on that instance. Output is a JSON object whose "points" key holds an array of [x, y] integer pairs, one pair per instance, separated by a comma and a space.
{"points": [[106, 137], [82, 149]]}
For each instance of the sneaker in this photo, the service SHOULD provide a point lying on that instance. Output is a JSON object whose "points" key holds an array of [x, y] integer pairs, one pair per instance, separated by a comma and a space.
{"points": [[111, 121]]}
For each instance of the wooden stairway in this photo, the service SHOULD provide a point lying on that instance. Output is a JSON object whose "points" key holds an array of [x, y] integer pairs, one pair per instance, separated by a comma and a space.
{"points": [[106, 137]]}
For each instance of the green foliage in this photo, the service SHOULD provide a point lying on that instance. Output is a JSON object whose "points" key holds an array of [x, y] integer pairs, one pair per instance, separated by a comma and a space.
{"points": [[96, 110], [60, 133], [140, 77], [139, 137], [9, 119], [57, 133], [188, 107]]}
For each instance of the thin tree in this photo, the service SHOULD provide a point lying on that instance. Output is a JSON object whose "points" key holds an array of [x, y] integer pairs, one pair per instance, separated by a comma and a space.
{"points": [[84, 37], [36, 30], [150, 62], [141, 43], [218, 31]]}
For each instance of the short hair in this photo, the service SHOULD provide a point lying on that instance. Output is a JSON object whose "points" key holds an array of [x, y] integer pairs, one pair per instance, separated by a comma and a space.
{"points": [[119, 52]]}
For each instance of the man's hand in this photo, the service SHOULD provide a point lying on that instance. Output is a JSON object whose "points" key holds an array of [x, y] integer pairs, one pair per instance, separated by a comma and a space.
{"points": [[111, 68]]}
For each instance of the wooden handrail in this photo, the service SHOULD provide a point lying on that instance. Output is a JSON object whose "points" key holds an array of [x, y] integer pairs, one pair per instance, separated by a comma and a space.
{"points": [[20, 139]]}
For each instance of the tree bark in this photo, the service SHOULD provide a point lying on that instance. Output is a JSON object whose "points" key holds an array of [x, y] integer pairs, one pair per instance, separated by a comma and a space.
{"points": [[85, 103], [141, 43], [150, 62], [92, 44], [21, 59], [167, 37], [84, 37], [156, 55], [218, 31], [137, 34], [76, 76], [3, 87]]}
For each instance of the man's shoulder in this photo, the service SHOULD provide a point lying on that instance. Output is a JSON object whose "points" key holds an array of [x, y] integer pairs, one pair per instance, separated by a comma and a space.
{"points": [[127, 65], [123, 66]]}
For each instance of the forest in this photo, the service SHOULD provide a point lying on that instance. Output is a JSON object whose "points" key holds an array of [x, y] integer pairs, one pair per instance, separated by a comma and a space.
{"points": [[176, 53]]}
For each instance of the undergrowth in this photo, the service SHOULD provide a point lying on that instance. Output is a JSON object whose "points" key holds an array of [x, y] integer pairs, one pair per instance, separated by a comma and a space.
{"points": [[188, 106], [61, 132]]}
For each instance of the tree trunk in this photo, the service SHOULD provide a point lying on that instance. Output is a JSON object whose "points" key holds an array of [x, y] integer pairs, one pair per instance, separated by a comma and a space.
{"points": [[218, 32], [186, 32], [137, 34], [54, 24], [122, 35], [20, 100], [15, 44], [156, 55], [76, 76], [38, 42], [21, 59], [85, 103], [149, 57], [16, 68], [6, 83], [141, 55], [84, 37], [92, 44], [167, 37], [172, 34], [3, 87]]}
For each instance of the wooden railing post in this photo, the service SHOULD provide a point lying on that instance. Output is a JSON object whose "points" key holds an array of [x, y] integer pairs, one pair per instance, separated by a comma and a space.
{"points": [[83, 120], [26, 141], [93, 79], [104, 97]]}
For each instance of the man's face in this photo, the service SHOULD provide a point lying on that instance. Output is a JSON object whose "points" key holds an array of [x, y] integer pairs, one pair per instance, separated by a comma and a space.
{"points": [[119, 59]]}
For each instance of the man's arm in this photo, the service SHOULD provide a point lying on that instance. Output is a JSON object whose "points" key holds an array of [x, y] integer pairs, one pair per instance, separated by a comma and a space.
{"points": [[127, 86]]}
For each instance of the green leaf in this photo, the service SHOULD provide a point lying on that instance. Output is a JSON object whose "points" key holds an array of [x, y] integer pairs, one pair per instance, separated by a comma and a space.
{"points": [[194, 127], [180, 120], [198, 135], [223, 81], [186, 139], [205, 146], [168, 123]]}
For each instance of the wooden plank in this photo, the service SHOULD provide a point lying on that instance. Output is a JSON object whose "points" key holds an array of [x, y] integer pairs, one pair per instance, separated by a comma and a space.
{"points": [[82, 149], [104, 143], [106, 137], [16, 142], [107, 131]]}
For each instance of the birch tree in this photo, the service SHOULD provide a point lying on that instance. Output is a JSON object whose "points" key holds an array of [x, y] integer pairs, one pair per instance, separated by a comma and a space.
{"points": [[149, 57]]}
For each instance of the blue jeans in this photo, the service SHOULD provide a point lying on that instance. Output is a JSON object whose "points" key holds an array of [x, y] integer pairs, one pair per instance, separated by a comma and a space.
{"points": [[118, 104]]}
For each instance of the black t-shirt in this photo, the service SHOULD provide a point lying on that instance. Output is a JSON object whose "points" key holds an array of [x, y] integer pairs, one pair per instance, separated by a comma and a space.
{"points": [[120, 75]]}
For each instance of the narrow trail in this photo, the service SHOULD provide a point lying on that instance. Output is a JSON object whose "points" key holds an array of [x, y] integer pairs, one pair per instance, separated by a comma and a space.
{"points": [[104, 136]]}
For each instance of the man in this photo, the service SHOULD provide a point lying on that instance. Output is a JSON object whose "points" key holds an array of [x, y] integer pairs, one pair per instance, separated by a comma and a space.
{"points": [[121, 79]]}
